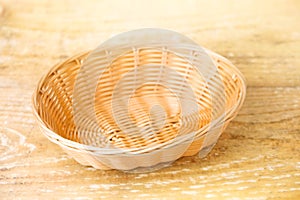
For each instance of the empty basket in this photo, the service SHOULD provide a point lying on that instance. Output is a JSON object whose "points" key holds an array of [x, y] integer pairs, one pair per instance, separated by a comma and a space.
{"points": [[141, 100]]}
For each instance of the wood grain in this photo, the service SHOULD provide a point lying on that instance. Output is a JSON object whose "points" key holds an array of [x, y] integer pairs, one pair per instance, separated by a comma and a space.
{"points": [[257, 157]]}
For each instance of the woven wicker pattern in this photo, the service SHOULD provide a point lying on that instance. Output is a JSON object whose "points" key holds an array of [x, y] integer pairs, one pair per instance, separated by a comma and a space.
{"points": [[146, 92]]}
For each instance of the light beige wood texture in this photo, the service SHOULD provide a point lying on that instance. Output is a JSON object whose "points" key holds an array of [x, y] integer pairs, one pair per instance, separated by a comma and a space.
{"points": [[258, 155]]}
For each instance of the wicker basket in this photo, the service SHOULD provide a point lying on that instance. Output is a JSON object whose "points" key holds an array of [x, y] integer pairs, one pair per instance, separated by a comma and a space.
{"points": [[130, 105]]}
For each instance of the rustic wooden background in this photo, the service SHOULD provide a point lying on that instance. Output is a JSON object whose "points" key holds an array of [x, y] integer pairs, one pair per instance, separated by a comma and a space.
{"points": [[257, 157]]}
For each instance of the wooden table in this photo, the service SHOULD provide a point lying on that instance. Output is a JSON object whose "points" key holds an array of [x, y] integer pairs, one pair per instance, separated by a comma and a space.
{"points": [[257, 157]]}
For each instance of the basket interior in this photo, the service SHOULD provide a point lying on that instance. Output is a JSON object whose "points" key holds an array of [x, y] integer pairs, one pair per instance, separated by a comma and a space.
{"points": [[145, 93], [141, 96]]}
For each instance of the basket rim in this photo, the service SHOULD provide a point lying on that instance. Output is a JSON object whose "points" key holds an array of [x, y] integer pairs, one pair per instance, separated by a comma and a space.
{"points": [[58, 139]]}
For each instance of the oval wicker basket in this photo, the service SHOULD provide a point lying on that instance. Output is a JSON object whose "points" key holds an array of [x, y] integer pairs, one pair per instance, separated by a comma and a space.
{"points": [[149, 105]]}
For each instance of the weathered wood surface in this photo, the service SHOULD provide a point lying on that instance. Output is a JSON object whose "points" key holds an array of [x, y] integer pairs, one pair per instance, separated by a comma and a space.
{"points": [[257, 157]]}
